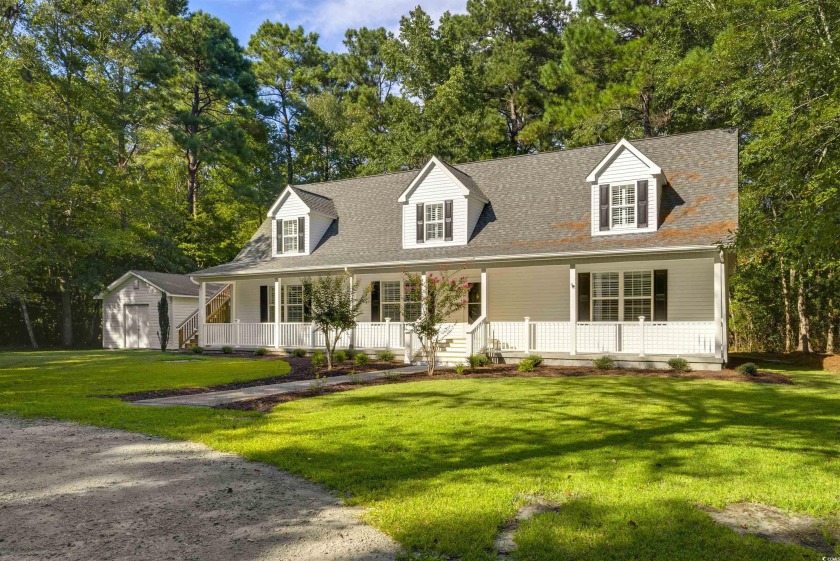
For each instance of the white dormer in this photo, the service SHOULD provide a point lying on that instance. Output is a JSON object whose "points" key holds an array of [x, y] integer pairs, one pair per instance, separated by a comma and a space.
{"points": [[441, 207], [625, 189], [299, 219]]}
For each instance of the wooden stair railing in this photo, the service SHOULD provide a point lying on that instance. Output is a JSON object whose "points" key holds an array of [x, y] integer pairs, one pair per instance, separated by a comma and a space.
{"points": [[218, 311]]}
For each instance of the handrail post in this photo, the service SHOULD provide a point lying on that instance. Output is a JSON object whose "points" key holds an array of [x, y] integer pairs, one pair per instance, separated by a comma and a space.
{"points": [[236, 334], [641, 336], [312, 335], [527, 339], [387, 333], [407, 340]]}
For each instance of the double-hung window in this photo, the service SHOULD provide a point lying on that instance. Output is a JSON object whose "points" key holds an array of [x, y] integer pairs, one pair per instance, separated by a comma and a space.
{"points": [[391, 300], [434, 221], [290, 236], [623, 206], [638, 294], [294, 303], [605, 296], [411, 308]]}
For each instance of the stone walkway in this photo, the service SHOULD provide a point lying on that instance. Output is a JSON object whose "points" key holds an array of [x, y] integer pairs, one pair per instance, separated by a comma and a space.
{"points": [[211, 399]]}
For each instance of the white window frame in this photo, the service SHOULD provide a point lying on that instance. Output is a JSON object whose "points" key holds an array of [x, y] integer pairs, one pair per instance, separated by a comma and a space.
{"points": [[615, 191], [402, 303], [293, 237], [439, 224], [288, 306], [621, 298]]}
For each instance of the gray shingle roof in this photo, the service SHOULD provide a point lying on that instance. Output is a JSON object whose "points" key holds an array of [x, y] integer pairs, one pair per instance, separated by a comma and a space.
{"points": [[315, 202], [465, 179], [539, 204], [179, 285]]}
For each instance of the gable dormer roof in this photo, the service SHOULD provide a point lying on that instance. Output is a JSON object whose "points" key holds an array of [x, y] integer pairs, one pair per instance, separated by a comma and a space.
{"points": [[464, 181], [619, 147], [315, 202]]}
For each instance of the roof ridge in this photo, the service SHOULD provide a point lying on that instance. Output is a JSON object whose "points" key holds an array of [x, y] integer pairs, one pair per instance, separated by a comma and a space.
{"points": [[314, 194]]}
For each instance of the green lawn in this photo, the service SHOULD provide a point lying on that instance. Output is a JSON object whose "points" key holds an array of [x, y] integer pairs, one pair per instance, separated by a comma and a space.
{"points": [[442, 464]]}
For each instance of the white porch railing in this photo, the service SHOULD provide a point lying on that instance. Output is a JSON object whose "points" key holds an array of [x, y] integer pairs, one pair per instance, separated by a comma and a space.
{"points": [[476, 335], [672, 337], [239, 334], [550, 336], [379, 335]]}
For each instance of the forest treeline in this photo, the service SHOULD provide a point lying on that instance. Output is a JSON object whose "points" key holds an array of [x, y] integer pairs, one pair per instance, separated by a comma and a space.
{"points": [[139, 134]]}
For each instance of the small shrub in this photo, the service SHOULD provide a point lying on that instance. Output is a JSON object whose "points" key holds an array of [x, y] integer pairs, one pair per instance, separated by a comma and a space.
{"points": [[318, 359], [340, 356], [198, 350], [536, 359], [299, 353], [355, 378], [318, 383], [478, 360], [361, 359], [748, 368], [604, 363], [386, 356], [460, 369], [227, 349], [527, 365], [262, 351], [351, 353], [679, 365]]}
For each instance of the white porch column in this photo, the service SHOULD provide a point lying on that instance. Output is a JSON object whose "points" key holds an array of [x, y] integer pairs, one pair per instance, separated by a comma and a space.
{"points": [[202, 312], [484, 292], [232, 301], [573, 311], [278, 285], [718, 304]]}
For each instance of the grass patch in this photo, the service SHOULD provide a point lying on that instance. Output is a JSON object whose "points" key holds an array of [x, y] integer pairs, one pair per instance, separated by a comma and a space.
{"points": [[444, 464]]}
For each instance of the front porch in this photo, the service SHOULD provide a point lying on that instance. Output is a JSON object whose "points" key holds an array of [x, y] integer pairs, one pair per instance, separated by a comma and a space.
{"points": [[567, 312]]}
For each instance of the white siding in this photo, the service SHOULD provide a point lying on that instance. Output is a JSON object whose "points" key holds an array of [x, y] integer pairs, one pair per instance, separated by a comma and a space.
{"points": [[113, 317], [540, 292], [318, 225], [180, 308], [436, 187], [626, 168], [247, 295], [690, 283], [474, 210], [290, 207]]}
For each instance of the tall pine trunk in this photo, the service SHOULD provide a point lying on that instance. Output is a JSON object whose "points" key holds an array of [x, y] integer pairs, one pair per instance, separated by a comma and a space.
{"points": [[66, 313], [786, 301], [830, 341], [804, 320], [25, 311]]}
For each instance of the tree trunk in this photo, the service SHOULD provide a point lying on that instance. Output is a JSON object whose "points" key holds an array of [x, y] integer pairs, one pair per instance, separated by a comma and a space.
{"points": [[28, 323], [644, 97], [786, 300], [830, 341], [94, 324], [804, 320], [192, 183], [287, 138], [66, 313]]}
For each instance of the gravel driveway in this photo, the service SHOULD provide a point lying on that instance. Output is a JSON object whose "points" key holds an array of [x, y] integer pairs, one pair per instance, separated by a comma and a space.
{"points": [[75, 492]]}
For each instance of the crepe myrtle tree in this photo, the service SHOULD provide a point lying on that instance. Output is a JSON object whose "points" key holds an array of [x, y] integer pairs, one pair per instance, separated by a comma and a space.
{"points": [[445, 292], [334, 307]]}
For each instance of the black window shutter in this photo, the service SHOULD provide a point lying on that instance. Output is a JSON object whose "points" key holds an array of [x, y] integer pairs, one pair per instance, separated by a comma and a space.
{"points": [[420, 219], [642, 203], [279, 236], [583, 296], [660, 295], [447, 221], [374, 302], [604, 208], [301, 235], [264, 304]]}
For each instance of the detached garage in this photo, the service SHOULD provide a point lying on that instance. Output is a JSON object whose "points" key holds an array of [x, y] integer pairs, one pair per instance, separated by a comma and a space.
{"points": [[130, 309]]}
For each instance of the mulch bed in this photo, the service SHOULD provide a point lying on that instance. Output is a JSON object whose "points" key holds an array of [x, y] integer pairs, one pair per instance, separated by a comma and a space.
{"points": [[301, 370], [266, 403]]}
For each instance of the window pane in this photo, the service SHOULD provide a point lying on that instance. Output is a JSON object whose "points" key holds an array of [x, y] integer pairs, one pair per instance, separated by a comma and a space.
{"points": [[605, 310], [633, 308], [294, 313], [412, 311], [391, 311], [605, 285], [295, 295], [434, 231], [391, 291], [290, 227], [637, 284], [434, 212]]}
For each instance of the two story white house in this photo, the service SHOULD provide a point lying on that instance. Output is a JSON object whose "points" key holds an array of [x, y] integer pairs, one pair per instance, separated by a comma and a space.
{"points": [[613, 250]]}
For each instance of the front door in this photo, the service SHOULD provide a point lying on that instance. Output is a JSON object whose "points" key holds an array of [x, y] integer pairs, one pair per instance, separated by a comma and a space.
{"points": [[137, 327]]}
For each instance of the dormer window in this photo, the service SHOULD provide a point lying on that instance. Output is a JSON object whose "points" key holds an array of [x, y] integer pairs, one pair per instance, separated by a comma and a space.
{"points": [[623, 205], [290, 236], [434, 221]]}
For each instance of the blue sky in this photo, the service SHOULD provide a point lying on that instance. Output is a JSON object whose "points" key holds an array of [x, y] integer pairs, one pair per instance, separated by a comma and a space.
{"points": [[328, 18]]}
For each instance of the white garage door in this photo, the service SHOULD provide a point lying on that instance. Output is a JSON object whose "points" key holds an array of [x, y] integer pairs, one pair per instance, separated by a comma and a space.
{"points": [[137, 327]]}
